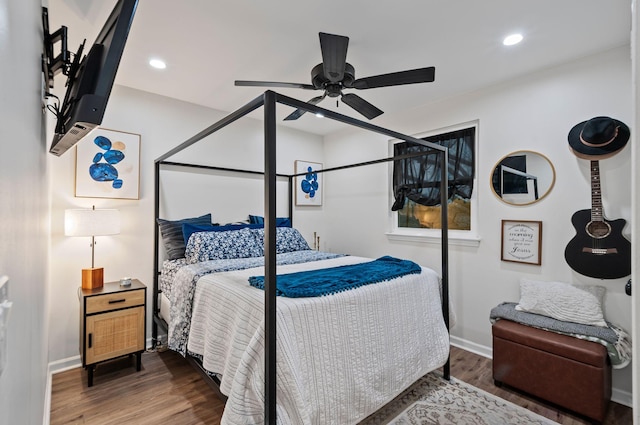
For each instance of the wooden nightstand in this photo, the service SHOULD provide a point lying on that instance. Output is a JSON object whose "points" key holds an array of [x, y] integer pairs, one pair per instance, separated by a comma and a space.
{"points": [[112, 323]]}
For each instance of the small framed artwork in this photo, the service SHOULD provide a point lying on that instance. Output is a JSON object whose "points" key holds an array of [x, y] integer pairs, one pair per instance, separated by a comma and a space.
{"points": [[108, 165], [521, 241], [308, 183]]}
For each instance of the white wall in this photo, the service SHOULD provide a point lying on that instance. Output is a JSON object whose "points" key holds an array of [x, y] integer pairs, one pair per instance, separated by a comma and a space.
{"points": [[555, 101], [23, 212], [163, 123], [536, 113]]}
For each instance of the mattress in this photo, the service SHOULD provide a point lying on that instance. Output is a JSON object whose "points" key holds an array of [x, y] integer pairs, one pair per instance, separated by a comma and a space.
{"points": [[340, 357], [165, 307]]}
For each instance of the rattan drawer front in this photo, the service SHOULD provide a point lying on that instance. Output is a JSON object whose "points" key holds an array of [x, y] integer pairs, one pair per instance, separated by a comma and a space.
{"points": [[114, 334], [108, 302]]}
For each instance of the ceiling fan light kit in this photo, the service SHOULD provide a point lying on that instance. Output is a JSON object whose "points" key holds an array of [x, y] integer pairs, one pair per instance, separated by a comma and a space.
{"points": [[334, 74]]}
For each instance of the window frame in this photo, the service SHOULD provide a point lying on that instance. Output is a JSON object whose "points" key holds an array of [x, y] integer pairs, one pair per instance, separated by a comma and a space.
{"points": [[456, 237]]}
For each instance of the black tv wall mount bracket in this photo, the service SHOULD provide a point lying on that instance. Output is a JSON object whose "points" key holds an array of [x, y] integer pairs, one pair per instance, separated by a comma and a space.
{"points": [[53, 65]]}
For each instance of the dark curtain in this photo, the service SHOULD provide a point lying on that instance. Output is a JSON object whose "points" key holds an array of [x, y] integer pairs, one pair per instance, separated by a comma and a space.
{"points": [[418, 178]]}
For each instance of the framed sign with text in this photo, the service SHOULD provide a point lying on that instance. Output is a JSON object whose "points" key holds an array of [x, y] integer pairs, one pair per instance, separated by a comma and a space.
{"points": [[521, 241]]}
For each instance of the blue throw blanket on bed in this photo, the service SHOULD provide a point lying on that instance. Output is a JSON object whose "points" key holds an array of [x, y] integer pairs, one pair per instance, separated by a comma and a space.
{"points": [[316, 283]]}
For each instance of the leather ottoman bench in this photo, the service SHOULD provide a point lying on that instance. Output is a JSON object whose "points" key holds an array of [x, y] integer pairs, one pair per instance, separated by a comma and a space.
{"points": [[566, 371]]}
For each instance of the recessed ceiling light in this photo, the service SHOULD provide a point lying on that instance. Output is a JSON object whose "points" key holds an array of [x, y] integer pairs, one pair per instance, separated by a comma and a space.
{"points": [[319, 115], [157, 63], [512, 39]]}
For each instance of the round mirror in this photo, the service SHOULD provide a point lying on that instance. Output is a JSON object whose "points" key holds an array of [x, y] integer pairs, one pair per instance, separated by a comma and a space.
{"points": [[523, 177]]}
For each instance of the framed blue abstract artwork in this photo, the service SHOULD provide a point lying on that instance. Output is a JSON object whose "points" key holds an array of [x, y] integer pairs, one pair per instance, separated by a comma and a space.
{"points": [[108, 165], [309, 183]]}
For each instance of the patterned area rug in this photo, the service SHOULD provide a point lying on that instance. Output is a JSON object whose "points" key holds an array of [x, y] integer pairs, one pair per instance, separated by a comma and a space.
{"points": [[434, 401]]}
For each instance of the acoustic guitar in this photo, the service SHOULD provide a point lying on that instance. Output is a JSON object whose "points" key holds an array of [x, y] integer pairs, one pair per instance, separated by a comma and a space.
{"points": [[598, 249]]}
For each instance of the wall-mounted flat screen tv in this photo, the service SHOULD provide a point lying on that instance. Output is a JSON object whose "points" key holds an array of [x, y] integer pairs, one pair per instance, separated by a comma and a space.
{"points": [[91, 78]]}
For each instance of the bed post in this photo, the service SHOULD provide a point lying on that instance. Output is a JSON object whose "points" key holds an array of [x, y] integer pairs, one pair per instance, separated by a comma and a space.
{"points": [[444, 199], [291, 199], [154, 302], [270, 255]]}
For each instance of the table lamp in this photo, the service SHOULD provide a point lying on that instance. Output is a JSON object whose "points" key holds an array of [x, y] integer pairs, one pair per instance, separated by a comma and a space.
{"points": [[93, 222]]}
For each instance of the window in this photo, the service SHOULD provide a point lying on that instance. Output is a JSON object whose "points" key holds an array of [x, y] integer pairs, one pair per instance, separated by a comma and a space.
{"points": [[416, 184]]}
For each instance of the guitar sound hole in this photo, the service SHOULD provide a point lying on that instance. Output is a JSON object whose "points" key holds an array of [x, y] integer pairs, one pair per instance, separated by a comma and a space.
{"points": [[598, 229]]}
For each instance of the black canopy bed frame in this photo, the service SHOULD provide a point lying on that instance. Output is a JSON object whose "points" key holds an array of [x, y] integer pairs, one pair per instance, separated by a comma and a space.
{"points": [[268, 100]]}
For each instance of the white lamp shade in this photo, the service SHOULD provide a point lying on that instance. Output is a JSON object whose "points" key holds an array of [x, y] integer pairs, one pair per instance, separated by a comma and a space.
{"points": [[91, 222]]}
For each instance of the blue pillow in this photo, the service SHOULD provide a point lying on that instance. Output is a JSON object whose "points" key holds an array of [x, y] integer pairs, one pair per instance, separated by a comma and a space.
{"points": [[189, 229], [288, 239], [230, 244], [280, 221], [171, 233]]}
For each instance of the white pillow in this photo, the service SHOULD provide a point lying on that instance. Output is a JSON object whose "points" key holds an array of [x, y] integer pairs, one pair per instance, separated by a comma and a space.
{"points": [[562, 301]]}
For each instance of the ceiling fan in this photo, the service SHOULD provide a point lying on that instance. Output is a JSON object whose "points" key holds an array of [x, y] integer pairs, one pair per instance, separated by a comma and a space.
{"points": [[334, 74]]}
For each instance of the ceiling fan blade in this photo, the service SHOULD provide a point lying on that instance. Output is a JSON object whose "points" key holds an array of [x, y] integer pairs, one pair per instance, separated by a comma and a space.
{"points": [[334, 55], [421, 75], [361, 105], [299, 112], [274, 84]]}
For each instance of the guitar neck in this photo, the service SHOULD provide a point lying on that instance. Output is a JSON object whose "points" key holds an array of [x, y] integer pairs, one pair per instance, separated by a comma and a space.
{"points": [[596, 192]]}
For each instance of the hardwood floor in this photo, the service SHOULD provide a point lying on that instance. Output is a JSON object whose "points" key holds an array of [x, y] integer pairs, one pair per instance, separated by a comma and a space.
{"points": [[166, 391], [169, 391]]}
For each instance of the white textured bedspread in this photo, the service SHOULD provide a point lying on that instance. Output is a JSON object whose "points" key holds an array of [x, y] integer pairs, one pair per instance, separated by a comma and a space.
{"points": [[340, 357]]}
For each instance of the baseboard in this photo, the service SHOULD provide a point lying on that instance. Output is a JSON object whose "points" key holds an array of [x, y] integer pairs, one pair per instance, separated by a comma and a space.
{"points": [[56, 367], [72, 363], [622, 397], [46, 416], [478, 349], [64, 364], [619, 396]]}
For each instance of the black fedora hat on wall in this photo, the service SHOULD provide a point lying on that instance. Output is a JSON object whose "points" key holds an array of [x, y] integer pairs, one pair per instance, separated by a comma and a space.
{"points": [[599, 137]]}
